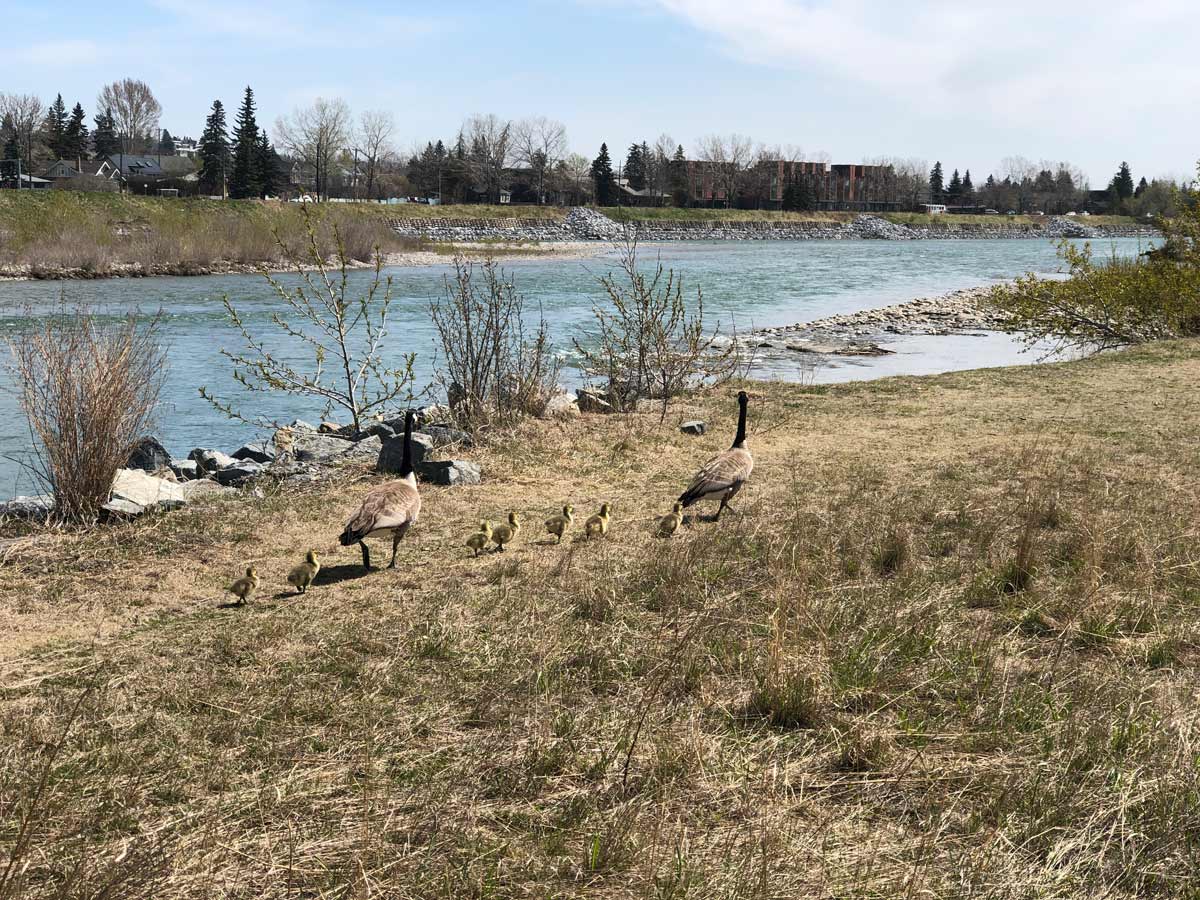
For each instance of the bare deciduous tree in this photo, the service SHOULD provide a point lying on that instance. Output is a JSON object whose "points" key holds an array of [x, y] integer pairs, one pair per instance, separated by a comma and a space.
{"points": [[315, 135], [539, 143], [135, 111], [375, 130], [25, 112], [488, 141], [726, 158]]}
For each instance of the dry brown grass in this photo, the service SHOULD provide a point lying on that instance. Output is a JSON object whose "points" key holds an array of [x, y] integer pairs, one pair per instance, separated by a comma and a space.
{"points": [[781, 705]]}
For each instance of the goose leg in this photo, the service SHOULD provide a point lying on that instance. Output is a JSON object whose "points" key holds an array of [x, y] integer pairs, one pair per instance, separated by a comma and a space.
{"points": [[395, 546], [366, 554]]}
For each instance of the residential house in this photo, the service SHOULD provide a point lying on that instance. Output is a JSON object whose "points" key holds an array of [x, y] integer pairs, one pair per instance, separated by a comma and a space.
{"points": [[847, 186]]}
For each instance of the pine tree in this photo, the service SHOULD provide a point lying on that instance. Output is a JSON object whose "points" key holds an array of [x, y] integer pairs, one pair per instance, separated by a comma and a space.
{"points": [[635, 168], [1122, 183], [679, 179], [166, 144], [55, 127], [105, 142], [1141, 188], [243, 181], [75, 139], [603, 179], [968, 189], [8, 138], [936, 185], [269, 171], [954, 191], [214, 152]]}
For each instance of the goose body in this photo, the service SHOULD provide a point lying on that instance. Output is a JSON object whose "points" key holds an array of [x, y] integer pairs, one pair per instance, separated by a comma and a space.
{"points": [[559, 525], [506, 532], [723, 476], [480, 538], [388, 510], [304, 574], [245, 587], [597, 525], [670, 523]]}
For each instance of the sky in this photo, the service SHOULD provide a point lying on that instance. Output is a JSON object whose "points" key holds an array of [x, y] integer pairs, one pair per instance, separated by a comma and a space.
{"points": [[967, 83]]}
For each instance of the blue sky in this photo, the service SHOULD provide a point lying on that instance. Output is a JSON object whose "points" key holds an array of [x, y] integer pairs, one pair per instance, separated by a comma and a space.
{"points": [[967, 83]]}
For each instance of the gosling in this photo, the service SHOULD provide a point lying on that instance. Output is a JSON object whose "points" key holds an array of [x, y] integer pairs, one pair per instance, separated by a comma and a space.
{"points": [[560, 525], [305, 573], [506, 533], [479, 540], [670, 523], [597, 525], [245, 587]]}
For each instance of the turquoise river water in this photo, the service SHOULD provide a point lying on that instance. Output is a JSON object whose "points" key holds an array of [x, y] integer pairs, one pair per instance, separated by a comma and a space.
{"points": [[747, 284]]}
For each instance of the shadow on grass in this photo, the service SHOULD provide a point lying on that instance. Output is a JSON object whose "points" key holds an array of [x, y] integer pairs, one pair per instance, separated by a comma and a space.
{"points": [[337, 574]]}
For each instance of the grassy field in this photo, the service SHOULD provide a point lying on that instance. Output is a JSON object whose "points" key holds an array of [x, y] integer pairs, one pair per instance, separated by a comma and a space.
{"points": [[947, 649]]}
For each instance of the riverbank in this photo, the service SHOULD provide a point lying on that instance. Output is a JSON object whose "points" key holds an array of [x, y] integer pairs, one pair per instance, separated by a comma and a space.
{"points": [[944, 642]]}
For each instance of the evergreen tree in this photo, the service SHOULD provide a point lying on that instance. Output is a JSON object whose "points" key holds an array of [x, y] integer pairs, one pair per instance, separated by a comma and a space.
{"points": [[166, 144], [269, 169], [968, 189], [1122, 183], [55, 128], [243, 180], [635, 168], [1141, 188], [9, 140], [603, 179], [679, 179], [936, 184], [954, 191], [214, 152], [105, 142], [75, 139]]}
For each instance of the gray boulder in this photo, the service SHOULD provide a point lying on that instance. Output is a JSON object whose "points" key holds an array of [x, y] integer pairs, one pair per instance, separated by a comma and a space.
{"points": [[444, 435], [239, 473], [381, 430], [209, 461], [561, 406], [261, 451], [37, 507], [695, 426], [319, 448], [203, 488], [590, 401], [118, 508], [366, 449], [185, 469], [149, 456], [392, 452], [449, 472], [301, 425]]}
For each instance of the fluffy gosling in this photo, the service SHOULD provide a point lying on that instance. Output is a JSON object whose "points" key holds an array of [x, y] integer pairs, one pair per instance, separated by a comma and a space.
{"points": [[479, 539], [670, 523], [505, 533], [560, 525], [597, 525], [305, 573], [245, 587]]}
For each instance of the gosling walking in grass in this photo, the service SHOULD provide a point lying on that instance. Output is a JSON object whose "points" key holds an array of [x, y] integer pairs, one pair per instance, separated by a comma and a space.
{"points": [[559, 525], [305, 574], [670, 523], [506, 532], [723, 475], [479, 540], [597, 525], [389, 509], [246, 586]]}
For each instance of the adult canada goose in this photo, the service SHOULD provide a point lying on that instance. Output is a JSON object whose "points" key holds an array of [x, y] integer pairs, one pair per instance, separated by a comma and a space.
{"points": [[506, 532], [670, 523], [305, 573], [597, 525], [561, 524], [389, 509], [245, 586], [723, 475], [480, 539]]}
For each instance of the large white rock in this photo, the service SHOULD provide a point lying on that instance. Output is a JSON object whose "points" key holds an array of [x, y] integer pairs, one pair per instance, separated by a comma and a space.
{"points": [[147, 491]]}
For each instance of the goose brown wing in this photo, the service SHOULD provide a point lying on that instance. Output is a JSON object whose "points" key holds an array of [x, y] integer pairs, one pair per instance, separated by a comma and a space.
{"points": [[387, 506], [719, 474]]}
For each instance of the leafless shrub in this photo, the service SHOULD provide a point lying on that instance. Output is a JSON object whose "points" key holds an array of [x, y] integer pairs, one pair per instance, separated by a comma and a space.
{"points": [[495, 372], [647, 343], [89, 389]]}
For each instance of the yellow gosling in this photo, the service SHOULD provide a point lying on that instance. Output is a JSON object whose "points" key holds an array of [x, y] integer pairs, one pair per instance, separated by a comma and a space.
{"points": [[479, 540], [245, 587], [597, 525], [670, 523], [305, 573], [506, 533], [560, 525]]}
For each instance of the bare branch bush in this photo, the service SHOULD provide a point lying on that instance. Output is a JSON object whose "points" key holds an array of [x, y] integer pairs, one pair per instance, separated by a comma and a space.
{"points": [[495, 371], [344, 334], [89, 389], [647, 342]]}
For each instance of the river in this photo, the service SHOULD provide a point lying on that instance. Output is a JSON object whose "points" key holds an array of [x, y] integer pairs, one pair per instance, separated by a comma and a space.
{"points": [[748, 284]]}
